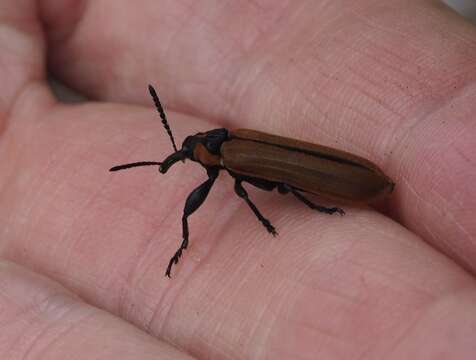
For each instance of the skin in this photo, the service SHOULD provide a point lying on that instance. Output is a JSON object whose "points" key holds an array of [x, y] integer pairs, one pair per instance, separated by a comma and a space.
{"points": [[84, 251]]}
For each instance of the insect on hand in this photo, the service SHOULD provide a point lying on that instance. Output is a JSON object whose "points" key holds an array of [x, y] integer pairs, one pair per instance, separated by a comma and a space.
{"points": [[270, 162]]}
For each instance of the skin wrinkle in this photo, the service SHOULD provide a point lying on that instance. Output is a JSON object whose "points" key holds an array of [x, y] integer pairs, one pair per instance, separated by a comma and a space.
{"points": [[447, 214], [167, 312], [400, 338], [233, 94], [392, 55], [59, 246], [228, 308], [36, 312], [80, 213], [472, 162], [226, 35], [305, 97], [412, 130], [404, 334], [336, 101], [244, 46], [381, 103], [61, 335], [222, 37], [397, 70], [374, 24], [76, 239], [317, 328], [124, 283], [455, 90], [220, 328], [264, 328], [217, 297], [197, 333], [29, 211], [263, 30], [60, 185], [469, 40], [45, 331], [394, 277], [325, 337], [291, 291], [131, 277]]}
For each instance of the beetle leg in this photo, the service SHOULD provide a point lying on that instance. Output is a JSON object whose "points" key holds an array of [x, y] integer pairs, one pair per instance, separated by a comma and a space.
{"points": [[193, 202], [284, 189], [261, 184], [241, 192]]}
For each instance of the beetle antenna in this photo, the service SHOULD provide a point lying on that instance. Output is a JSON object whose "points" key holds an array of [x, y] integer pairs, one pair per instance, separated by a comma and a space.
{"points": [[161, 111], [128, 166]]}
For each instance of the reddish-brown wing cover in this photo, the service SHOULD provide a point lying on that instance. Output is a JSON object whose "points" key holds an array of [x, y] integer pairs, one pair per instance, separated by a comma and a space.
{"points": [[316, 169]]}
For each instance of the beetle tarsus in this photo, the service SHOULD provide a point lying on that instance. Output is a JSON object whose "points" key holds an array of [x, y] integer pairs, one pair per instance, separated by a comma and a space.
{"points": [[241, 192], [340, 211], [284, 189], [173, 260]]}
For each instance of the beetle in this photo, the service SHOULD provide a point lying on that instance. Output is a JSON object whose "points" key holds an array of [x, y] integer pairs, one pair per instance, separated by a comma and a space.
{"points": [[270, 162]]}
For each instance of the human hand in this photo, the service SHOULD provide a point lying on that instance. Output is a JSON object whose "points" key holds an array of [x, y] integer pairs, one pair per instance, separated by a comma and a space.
{"points": [[391, 81]]}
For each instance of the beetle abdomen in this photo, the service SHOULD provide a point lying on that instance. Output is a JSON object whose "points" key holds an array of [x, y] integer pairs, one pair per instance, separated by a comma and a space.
{"points": [[331, 173]]}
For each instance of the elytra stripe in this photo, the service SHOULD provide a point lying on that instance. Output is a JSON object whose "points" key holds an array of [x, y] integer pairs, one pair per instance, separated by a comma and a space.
{"points": [[308, 152]]}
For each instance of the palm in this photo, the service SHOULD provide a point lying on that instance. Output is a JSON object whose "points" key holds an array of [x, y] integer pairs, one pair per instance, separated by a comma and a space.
{"points": [[361, 285]]}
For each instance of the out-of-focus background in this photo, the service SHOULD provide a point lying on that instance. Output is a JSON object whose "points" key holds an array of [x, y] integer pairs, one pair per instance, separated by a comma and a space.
{"points": [[466, 8]]}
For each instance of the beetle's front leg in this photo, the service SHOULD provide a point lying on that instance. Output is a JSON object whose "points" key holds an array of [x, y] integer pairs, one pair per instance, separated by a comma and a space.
{"points": [[284, 189], [194, 200], [241, 192]]}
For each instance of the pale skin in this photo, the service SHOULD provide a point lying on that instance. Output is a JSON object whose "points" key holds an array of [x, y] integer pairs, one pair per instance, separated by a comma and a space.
{"points": [[84, 251]]}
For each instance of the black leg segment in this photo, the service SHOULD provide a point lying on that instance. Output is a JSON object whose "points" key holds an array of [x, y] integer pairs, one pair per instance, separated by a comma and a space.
{"points": [[284, 189], [194, 200], [241, 192]]}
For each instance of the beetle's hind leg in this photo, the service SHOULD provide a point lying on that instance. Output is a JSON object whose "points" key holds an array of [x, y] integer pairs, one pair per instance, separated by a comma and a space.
{"points": [[284, 189], [241, 192], [193, 202]]}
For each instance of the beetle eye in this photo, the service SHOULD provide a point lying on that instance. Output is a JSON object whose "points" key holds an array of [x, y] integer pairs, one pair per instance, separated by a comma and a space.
{"points": [[212, 146], [186, 151]]}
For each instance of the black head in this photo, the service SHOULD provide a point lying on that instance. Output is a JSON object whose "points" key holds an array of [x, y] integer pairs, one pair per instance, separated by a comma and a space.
{"points": [[211, 140]]}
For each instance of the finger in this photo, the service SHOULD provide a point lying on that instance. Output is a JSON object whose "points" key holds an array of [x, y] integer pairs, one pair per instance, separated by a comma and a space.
{"points": [[41, 319], [21, 52], [235, 290], [209, 64]]}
